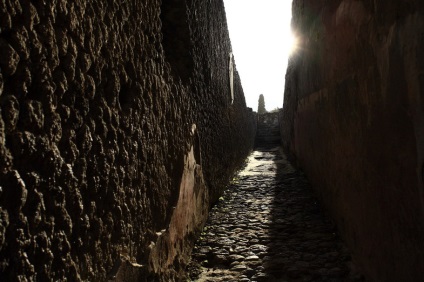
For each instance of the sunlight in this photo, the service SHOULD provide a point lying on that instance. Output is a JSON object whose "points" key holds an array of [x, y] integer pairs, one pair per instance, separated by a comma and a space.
{"points": [[292, 44], [262, 42]]}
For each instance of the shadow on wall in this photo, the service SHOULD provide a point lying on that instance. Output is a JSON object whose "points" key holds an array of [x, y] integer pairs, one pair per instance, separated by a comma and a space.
{"points": [[354, 119], [176, 39]]}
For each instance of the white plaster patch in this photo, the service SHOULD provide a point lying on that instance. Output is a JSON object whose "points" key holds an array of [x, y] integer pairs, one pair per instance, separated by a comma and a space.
{"points": [[231, 73]]}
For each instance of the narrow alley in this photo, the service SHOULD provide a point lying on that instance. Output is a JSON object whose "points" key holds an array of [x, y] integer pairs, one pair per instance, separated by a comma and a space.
{"points": [[132, 148], [268, 226]]}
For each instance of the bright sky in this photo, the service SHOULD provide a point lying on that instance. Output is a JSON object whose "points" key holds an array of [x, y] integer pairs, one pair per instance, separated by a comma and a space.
{"points": [[261, 39]]}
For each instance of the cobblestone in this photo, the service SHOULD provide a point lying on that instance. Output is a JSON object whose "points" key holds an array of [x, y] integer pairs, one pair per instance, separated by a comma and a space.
{"points": [[268, 226]]}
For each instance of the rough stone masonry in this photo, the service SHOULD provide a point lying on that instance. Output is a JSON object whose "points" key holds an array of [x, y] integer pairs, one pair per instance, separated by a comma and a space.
{"points": [[116, 122]]}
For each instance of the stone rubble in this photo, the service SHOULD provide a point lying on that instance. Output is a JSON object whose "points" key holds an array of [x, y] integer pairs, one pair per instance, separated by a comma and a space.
{"points": [[268, 226]]}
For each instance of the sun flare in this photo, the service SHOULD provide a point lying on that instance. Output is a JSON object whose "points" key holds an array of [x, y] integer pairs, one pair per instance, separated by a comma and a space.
{"points": [[292, 44]]}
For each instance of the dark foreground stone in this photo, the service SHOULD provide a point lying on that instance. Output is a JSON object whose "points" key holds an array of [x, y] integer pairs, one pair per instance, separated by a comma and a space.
{"points": [[269, 227]]}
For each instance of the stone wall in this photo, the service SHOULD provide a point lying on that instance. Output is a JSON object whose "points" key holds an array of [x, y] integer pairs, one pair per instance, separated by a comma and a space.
{"points": [[268, 130], [117, 131], [354, 119]]}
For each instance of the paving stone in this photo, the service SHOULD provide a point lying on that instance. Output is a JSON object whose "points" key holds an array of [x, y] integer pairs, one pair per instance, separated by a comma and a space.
{"points": [[249, 272], [251, 258], [220, 259], [236, 258], [263, 277], [269, 227], [239, 267]]}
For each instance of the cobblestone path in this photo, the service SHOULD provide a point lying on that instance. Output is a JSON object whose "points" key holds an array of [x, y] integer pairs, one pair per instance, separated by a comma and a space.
{"points": [[268, 226]]}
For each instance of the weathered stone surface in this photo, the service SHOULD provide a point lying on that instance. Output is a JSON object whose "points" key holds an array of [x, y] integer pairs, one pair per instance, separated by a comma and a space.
{"points": [[96, 141], [353, 117], [285, 236], [9, 59]]}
